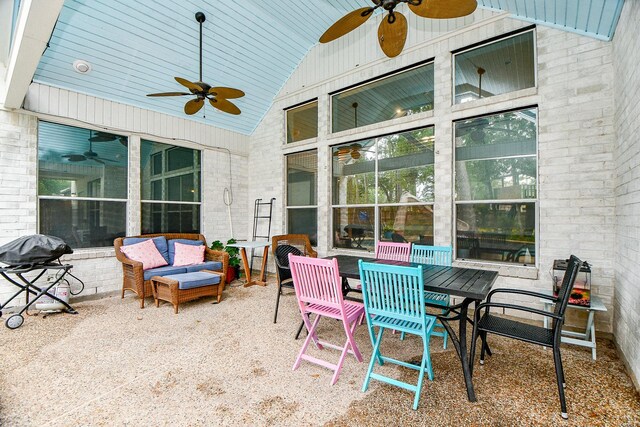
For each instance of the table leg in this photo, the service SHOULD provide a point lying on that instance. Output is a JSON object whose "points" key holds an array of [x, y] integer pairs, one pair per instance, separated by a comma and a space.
{"points": [[464, 357], [263, 269], [460, 344], [247, 270], [591, 331]]}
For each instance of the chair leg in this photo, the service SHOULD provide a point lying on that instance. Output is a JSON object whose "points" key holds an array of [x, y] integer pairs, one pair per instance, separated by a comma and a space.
{"points": [[310, 335], [300, 330], [349, 343], [483, 337], [375, 355], [275, 316], [423, 365], [472, 353], [446, 333], [560, 378]]}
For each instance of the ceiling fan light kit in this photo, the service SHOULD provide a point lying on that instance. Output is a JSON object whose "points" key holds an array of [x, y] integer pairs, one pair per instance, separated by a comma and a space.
{"points": [[218, 97], [392, 32]]}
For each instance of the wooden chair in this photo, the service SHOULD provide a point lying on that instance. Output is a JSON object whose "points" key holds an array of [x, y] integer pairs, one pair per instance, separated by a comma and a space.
{"points": [[393, 251], [394, 299], [281, 247], [319, 291], [486, 323], [435, 255]]}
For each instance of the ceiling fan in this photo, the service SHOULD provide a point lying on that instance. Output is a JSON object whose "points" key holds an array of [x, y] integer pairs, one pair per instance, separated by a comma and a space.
{"points": [[87, 155], [218, 97], [353, 150], [392, 32], [107, 137]]}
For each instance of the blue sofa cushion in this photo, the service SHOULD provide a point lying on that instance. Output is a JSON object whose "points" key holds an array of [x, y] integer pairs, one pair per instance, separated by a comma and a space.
{"points": [[194, 280], [160, 242], [163, 271], [208, 265], [172, 246]]}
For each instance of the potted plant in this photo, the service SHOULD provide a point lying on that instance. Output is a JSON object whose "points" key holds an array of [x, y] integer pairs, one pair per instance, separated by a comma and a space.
{"points": [[234, 260]]}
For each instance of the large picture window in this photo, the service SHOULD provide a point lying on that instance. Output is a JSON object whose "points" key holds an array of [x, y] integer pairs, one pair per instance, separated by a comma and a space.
{"points": [[496, 187], [402, 94], [498, 67], [302, 122], [384, 187], [302, 204], [82, 185], [170, 180]]}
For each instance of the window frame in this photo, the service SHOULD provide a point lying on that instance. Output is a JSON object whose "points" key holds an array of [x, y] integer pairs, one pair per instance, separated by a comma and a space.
{"points": [[535, 201], [374, 80], [286, 121], [39, 197], [288, 207], [165, 175], [375, 205], [487, 42]]}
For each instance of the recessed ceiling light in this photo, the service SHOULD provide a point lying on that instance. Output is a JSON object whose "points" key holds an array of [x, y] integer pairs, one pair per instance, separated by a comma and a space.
{"points": [[81, 66]]}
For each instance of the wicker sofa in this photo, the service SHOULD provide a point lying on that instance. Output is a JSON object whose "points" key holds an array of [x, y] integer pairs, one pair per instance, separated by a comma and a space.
{"points": [[135, 279]]}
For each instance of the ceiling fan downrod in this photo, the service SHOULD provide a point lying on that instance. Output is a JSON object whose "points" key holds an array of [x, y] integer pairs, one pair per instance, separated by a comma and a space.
{"points": [[200, 17]]}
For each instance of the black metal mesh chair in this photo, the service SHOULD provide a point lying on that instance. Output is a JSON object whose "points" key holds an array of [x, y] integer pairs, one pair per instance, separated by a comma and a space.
{"points": [[282, 246], [486, 323]]}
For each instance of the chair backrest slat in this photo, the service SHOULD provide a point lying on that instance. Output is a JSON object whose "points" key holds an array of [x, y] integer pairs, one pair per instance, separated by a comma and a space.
{"points": [[393, 291], [435, 255], [316, 281], [568, 280], [393, 251]]}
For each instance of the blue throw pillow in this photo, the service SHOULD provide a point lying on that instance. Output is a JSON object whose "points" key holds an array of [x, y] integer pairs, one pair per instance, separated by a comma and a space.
{"points": [[172, 246], [160, 242]]}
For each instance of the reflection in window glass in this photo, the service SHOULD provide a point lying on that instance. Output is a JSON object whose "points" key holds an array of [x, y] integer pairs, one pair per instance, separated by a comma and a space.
{"points": [[302, 175], [180, 158], [496, 167], [404, 164], [83, 223], [178, 182], [170, 218], [81, 164], [407, 223], [496, 232], [402, 94], [302, 122], [354, 228], [500, 67]]}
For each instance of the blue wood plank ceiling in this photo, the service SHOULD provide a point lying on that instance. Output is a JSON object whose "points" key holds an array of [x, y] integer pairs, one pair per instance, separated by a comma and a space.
{"points": [[136, 48]]}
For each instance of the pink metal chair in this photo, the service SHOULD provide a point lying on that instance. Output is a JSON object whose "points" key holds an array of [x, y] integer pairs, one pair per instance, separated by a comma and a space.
{"points": [[393, 251], [319, 291]]}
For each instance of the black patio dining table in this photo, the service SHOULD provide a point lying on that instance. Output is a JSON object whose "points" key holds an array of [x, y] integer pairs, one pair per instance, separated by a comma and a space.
{"points": [[470, 284]]}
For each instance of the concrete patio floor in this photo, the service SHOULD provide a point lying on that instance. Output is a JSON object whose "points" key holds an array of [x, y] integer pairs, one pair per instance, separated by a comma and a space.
{"points": [[228, 364]]}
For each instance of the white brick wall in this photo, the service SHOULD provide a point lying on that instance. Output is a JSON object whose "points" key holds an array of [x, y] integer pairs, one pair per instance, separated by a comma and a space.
{"points": [[626, 55], [576, 139]]}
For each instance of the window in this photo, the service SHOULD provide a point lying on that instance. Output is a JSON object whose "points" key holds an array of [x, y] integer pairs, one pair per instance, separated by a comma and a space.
{"points": [[496, 173], [302, 122], [499, 67], [302, 204], [82, 185], [170, 181], [399, 95], [383, 186]]}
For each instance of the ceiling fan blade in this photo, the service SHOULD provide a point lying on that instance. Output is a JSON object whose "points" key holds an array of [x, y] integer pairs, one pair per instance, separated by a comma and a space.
{"points": [[392, 36], [97, 160], [224, 105], [226, 92], [441, 9], [74, 157], [169, 93], [346, 24], [186, 83], [193, 106], [101, 138], [102, 159]]}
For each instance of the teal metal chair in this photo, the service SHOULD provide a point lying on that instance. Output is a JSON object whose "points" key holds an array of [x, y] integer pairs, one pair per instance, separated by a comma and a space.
{"points": [[394, 299], [435, 255]]}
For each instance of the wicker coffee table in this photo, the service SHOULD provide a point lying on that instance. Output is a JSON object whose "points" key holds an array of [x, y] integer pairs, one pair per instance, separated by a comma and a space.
{"points": [[177, 288]]}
